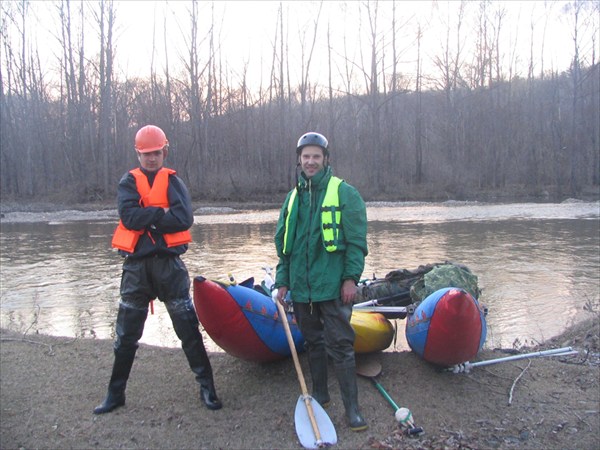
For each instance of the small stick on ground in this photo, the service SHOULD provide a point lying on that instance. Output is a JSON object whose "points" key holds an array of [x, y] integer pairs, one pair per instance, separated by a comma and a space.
{"points": [[515, 382], [29, 341]]}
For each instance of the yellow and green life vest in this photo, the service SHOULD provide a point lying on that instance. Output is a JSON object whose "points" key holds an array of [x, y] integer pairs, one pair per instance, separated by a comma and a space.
{"points": [[331, 218]]}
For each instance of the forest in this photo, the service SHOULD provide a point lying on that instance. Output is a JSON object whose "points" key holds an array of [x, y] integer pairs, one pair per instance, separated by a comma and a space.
{"points": [[476, 125]]}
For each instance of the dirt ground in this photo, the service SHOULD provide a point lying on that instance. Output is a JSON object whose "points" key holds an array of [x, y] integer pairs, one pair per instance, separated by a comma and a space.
{"points": [[49, 386]]}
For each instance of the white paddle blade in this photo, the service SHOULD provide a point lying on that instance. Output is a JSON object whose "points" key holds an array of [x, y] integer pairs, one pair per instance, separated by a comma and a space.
{"points": [[304, 428]]}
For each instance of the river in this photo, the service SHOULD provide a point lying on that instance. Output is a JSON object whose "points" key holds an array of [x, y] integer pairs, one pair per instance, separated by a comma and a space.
{"points": [[538, 265]]}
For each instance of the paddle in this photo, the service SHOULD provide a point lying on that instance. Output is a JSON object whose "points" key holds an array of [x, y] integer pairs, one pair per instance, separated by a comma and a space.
{"points": [[369, 368], [313, 426]]}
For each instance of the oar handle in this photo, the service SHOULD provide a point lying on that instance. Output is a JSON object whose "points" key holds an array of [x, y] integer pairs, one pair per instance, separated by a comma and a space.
{"points": [[467, 366], [551, 352], [288, 334]]}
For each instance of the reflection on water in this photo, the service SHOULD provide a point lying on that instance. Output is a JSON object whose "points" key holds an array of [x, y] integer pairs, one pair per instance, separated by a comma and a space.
{"points": [[538, 265]]}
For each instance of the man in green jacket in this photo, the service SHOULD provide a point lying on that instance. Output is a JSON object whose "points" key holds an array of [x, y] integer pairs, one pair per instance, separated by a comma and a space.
{"points": [[321, 241]]}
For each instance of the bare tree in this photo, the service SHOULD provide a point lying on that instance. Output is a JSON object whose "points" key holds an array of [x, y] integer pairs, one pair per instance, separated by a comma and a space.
{"points": [[582, 15], [73, 91], [419, 115], [28, 188], [197, 149], [8, 135], [106, 23], [483, 127], [306, 60]]}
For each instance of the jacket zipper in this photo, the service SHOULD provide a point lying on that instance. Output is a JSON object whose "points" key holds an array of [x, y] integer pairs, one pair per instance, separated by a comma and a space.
{"points": [[310, 215]]}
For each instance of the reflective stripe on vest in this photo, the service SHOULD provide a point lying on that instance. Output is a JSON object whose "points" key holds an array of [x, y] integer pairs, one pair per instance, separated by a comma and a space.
{"points": [[126, 239], [331, 218], [287, 243]]}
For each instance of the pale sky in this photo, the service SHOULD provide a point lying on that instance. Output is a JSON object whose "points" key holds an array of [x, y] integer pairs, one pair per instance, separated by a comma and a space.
{"points": [[247, 28], [246, 31]]}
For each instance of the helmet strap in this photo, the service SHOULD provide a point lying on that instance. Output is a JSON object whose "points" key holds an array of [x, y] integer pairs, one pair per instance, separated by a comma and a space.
{"points": [[298, 171]]}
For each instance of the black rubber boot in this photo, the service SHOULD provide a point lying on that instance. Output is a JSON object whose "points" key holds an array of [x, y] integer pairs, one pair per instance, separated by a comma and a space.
{"points": [[129, 329], [347, 378], [208, 395], [185, 323], [317, 361]]}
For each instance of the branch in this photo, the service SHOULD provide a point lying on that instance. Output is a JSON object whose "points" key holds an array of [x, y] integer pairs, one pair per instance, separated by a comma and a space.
{"points": [[29, 341], [515, 382], [50, 349]]}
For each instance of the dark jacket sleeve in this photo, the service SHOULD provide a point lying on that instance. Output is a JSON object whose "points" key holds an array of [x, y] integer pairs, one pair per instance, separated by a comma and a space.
{"points": [[282, 274], [354, 223], [180, 216]]}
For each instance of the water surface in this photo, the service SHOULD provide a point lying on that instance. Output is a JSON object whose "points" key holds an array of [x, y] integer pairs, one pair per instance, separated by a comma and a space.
{"points": [[538, 264]]}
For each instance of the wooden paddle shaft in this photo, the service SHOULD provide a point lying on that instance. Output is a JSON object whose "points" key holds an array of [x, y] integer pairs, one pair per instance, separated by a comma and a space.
{"points": [[290, 339]]}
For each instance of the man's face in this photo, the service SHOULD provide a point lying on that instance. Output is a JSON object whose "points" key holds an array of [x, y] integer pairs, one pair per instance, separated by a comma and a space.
{"points": [[312, 160], [152, 161]]}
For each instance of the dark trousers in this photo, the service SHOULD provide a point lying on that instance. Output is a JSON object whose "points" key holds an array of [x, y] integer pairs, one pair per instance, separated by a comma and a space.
{"points": [[155, 277], [167, 279], [326, 327]]}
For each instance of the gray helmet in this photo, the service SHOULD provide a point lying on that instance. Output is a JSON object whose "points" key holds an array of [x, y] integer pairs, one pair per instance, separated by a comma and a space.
{"points": [[312, 138]]}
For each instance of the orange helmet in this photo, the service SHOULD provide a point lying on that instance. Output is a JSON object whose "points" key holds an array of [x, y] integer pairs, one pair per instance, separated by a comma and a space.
{"points": [[150, 138]]}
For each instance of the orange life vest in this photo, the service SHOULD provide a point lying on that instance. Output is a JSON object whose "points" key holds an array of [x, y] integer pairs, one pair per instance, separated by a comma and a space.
{"points": [[126, 239]]}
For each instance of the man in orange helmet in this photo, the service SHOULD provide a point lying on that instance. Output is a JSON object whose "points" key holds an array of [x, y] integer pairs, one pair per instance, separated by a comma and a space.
{"points": [[155, 209]]}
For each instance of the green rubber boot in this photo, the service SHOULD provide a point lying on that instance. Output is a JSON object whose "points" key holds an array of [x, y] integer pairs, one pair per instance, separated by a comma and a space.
{"points": [[347, 378]]}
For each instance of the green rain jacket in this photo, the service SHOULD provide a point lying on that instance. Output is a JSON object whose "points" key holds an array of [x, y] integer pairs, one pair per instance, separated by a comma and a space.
{"points": [[310, 272]]}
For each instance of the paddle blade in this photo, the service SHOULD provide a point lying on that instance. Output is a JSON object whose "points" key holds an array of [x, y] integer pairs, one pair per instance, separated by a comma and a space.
{"points": [[304, 428], [368, 367]]}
